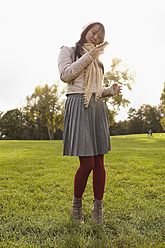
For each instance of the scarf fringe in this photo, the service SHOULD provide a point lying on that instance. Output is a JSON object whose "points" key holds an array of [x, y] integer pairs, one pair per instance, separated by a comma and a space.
{"points": [[97, 96]]}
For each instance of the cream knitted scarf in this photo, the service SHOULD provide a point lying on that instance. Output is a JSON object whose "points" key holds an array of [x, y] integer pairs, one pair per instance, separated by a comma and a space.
{"points": [[93, 74]]}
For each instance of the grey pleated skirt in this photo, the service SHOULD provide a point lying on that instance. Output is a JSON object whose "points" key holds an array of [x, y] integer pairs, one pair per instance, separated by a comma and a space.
{"points": [[86, 130]]}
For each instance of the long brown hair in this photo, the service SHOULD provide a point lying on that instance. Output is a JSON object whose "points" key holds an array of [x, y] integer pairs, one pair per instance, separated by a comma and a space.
{"points": [[82, 40]]}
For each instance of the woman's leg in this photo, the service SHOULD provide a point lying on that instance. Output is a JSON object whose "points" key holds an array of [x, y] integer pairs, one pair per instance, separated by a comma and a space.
{"points": [[98, 188], [98, 177], [81, 177], [82, 174]]}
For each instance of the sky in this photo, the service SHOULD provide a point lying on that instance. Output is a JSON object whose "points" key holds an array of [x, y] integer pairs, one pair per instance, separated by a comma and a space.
{"points": [[33, 31]]}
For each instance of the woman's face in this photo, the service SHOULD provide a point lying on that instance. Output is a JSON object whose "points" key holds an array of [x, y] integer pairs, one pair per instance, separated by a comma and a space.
{"points": [[94, 35]]}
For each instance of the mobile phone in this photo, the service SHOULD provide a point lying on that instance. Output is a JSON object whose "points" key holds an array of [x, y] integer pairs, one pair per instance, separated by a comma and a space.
{"points": [[103, 45]]}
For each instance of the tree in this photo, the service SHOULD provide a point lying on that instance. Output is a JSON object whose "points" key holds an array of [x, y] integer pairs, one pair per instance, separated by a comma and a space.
{"points": [[12, 124], [146, 117], [152, 117], [162, 99], [45, 109], [1, 113], [135, 124], [119, 128], [123, 75]]}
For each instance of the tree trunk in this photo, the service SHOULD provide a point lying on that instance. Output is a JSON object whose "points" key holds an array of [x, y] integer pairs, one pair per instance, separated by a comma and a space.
{"points": [[50, 137], [52, 129]]}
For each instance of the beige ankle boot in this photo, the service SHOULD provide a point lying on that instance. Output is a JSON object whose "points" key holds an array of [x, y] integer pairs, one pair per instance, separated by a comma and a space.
{"points": [[97, 212], [77, 210]]}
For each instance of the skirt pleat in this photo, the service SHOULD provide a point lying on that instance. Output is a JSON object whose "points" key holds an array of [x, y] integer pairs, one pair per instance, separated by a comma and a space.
{"points": [[86, 130]]}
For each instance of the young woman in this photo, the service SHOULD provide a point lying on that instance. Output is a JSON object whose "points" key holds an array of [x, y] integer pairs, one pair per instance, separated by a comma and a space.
{"points": [[86, 126]]}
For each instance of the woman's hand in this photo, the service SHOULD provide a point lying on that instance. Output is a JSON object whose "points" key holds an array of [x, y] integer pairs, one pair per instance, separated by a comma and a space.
{"points": [[96, 52], [117, 88]]}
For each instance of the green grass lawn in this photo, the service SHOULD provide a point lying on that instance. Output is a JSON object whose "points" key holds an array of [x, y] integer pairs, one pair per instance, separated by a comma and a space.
{"points": [[36, 191]]}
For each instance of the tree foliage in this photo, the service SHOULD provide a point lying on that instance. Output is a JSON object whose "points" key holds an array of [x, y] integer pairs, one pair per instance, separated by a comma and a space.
{"points": [[140, 121], [123, 75], [144, 118], [12, 124], [44, 107]]}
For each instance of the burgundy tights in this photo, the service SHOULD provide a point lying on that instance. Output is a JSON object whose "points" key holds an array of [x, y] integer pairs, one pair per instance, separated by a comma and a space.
{"points": [[87, 164]]}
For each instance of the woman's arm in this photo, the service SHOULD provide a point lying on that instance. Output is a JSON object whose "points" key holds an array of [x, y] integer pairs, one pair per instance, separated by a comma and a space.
{"points": [[68, 69], [115, 89]]}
